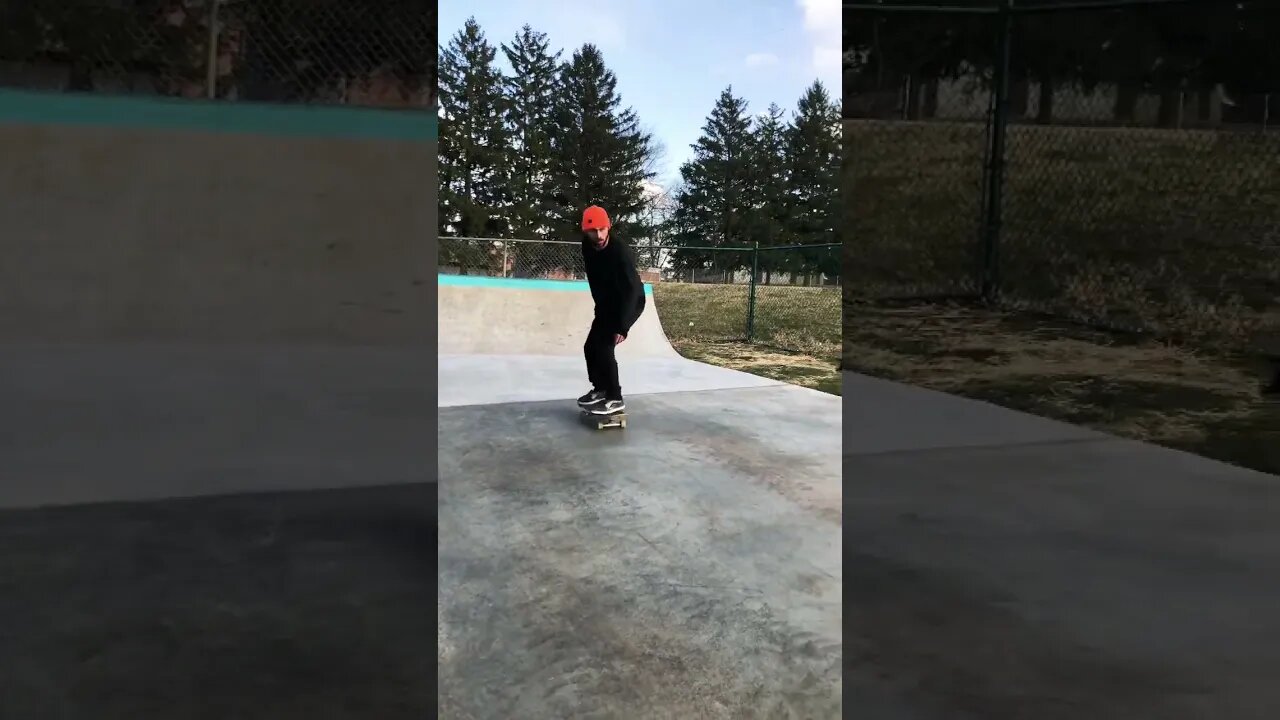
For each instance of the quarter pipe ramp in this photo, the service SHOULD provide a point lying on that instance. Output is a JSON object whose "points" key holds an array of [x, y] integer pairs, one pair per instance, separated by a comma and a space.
{"points": [[510, 340], [480, 315]]}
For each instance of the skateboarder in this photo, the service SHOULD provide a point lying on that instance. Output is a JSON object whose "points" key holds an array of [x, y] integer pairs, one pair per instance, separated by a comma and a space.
{"points": [[619, 298]]}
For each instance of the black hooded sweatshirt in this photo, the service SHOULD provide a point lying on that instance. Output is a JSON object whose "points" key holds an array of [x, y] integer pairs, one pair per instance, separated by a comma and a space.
{"points": [[615, 285]]}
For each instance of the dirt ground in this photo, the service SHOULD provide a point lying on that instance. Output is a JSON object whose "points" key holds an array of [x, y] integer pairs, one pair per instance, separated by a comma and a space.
{"points": [[1129, 386]]}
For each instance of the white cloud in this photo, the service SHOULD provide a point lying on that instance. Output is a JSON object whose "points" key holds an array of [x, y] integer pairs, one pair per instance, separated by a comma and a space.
{"points": [[571, 23], [755, 60], [652, 190], [822, 23]]}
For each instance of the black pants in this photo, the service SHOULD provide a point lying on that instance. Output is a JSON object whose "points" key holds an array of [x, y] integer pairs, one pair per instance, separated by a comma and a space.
{"points": [[602, 364]]}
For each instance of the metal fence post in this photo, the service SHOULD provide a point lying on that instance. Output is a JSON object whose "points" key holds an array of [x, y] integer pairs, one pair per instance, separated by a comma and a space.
{"points": [[996, 156], [751, 293]]}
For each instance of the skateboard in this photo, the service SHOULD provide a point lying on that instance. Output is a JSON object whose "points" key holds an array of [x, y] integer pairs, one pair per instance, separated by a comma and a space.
{"points": [[618, 420]]}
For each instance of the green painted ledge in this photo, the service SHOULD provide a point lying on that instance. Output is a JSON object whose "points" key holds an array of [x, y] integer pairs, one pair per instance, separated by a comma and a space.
{"points": [[50, 108]]}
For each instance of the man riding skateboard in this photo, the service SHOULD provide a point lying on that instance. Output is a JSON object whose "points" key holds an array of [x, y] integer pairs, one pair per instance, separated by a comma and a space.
{"points": [[619, 298]]}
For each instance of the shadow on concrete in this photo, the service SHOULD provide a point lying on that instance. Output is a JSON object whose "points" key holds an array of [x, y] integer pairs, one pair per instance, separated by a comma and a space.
{"points": [[298, 605]]}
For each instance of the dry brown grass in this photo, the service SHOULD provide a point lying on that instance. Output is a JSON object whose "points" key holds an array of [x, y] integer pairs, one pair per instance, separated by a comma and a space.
{"points": [[798, 329], [819, 372], [1130, 387]]}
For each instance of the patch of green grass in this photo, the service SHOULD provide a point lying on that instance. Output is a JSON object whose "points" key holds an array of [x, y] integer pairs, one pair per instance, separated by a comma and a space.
{"points": [[797, 330], [1170, 232], [818, 373], [706, 312], [800, 319]]}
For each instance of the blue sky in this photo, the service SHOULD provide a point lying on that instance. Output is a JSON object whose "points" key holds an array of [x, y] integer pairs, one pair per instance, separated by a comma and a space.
{"points": [[673, 57]]}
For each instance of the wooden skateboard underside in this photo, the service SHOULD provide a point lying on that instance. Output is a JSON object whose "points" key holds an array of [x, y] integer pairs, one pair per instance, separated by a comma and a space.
{"points": [[601, 422]]}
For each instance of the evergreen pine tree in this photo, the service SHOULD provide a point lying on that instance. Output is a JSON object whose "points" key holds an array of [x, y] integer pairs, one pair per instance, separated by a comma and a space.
{"points": [[599, 153], [716, 205], [770, 186], [813, 164], [531, 103], [473, 138]]}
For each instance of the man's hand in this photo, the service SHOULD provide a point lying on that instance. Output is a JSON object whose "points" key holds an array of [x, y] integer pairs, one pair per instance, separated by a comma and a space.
{"points": [[617, 339]]}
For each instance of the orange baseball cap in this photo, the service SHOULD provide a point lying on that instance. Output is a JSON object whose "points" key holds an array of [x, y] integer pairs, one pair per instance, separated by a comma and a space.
{"points": [[594, 218]]}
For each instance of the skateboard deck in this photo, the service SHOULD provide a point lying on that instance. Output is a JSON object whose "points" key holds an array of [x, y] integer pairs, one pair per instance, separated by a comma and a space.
{"points": [[618, 420]]}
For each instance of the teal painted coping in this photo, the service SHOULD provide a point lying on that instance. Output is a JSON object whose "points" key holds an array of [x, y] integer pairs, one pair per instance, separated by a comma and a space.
{"points": [[520, 283], [214, 116]]}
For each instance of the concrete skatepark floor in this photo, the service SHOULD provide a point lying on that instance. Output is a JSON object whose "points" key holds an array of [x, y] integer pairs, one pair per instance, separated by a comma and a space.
{"points": [[1002, 566], [148, 570], [685, 567], [271, 607], [1006, 566], [678, 568]]}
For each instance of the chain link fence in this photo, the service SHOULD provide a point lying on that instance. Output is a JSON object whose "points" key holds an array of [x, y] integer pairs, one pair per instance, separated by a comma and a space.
{"points": [[1112, 163], [782, 297], [282, 51]]}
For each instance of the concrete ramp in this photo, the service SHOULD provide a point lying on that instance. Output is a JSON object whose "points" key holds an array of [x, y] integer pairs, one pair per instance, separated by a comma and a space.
{"points": [[493, 316], [216, 325], [510, 340]]}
